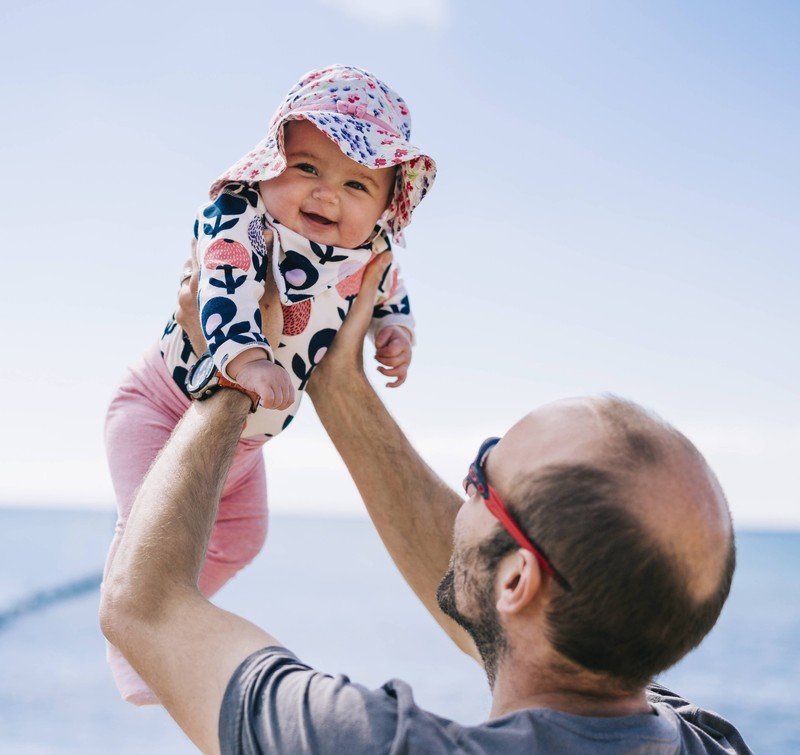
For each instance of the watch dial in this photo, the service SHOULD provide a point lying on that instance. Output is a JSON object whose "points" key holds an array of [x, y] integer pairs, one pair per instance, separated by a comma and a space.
{"points": [[200, 373]]}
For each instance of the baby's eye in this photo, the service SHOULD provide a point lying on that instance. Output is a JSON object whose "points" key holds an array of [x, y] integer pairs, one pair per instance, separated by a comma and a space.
{"points": [[306, 168], [357, 185]]}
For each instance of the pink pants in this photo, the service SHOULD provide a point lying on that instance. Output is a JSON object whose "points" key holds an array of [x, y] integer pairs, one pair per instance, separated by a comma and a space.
{"points": [[142, 415]]}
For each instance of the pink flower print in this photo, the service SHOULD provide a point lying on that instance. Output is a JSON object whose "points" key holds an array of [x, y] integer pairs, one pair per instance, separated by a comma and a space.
{"points": [[379, 161], [400, 152], [351, 285], [226, 252], [296, 317]]}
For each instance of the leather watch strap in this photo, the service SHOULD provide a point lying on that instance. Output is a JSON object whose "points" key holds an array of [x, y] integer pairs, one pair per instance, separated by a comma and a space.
{"points": [[223, 382]]}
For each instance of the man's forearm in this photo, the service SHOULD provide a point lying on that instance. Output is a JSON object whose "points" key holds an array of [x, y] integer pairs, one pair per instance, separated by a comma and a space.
{"points": [[167, 533], [412, 508]]}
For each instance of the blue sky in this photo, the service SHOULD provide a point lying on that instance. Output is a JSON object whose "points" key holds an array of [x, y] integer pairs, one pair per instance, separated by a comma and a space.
{"points": [[616, 211]]}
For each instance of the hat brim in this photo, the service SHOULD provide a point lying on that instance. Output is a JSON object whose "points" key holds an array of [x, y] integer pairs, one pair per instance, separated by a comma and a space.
{"points": [[364, 142]]}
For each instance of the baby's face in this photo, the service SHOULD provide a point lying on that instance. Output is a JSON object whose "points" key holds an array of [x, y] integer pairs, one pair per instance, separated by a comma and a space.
{"points": [[323, 194]]}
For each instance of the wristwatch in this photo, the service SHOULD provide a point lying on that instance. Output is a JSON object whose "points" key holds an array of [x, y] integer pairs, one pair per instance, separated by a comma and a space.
{"points": [[204, 379]]}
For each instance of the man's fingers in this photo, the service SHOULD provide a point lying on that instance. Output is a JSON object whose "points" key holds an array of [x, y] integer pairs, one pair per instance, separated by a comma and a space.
{"points": [[357, 322], [186, 314]]}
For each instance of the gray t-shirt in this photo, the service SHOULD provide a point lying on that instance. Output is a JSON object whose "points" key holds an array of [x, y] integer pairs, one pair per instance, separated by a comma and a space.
{"points": [[276, 704]]}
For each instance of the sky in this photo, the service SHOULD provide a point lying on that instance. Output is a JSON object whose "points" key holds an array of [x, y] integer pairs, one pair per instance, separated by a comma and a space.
{"points": [[616, 211]]}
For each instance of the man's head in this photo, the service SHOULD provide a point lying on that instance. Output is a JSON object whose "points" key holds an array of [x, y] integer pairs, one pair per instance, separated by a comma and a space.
{"points": [[627, 512]]}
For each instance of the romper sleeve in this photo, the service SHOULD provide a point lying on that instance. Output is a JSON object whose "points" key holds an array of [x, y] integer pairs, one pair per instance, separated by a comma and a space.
{"points": [[392, 306], [232, 259]]}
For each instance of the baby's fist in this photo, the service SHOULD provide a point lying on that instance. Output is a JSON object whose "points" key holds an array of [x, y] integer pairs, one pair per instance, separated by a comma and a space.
{"points": [[393, 351], [270, 381]]}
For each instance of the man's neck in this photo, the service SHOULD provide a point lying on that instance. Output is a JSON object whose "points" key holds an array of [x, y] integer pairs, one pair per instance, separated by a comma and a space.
{"points": [[519, 686]]}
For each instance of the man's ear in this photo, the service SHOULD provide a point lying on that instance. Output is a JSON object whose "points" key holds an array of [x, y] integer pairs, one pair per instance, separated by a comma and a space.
{"points": [[519, 579]]}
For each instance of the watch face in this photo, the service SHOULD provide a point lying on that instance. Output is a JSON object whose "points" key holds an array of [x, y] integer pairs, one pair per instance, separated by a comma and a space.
{"points": [[200, 374]]}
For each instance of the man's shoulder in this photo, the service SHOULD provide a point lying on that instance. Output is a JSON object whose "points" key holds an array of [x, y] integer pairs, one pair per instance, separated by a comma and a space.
{"points": [[704, 728]]}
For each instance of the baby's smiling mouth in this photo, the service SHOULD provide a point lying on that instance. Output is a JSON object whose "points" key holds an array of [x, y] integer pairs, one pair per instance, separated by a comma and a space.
{"points": [[318, 218]]}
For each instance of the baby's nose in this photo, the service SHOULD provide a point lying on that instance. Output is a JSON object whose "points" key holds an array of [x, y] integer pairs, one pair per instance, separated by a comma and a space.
{"points": [[324, 191]]}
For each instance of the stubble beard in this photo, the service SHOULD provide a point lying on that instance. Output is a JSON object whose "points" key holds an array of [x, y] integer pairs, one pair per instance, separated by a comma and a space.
{"points": [[484, 628]]}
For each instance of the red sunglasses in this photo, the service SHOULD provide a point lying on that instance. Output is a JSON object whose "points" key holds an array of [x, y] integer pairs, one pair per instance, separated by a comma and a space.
{"points": [[476, 478]]}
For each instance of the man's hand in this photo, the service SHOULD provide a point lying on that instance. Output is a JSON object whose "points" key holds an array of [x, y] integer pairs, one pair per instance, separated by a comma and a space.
{"points": [[188, 317], [187, 314], [393, 351], [344, 359]]}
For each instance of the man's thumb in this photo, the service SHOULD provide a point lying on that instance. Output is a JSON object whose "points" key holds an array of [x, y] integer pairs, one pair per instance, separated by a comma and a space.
{"points": [[365, 301]]}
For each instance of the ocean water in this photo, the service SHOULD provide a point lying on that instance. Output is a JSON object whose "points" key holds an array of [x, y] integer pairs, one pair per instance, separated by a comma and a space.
{"points": [[328, 590]]}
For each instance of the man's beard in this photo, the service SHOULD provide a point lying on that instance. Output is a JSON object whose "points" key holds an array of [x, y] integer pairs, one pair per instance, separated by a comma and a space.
{"points": [[485, 629]]}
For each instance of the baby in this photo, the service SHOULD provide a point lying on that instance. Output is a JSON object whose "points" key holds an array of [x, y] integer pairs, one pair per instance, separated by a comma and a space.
{"points": [[298, 218]]}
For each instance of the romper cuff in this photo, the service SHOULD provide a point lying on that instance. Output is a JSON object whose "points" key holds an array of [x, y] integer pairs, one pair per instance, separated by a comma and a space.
{"points": [[226, 353]]}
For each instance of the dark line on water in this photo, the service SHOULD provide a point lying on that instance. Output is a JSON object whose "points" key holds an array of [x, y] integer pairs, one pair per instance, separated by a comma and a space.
{"points": [[42, 599]]}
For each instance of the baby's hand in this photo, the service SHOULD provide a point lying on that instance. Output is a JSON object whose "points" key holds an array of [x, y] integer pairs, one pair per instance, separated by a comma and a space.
{"points": [[270, 381], [393, 350]]}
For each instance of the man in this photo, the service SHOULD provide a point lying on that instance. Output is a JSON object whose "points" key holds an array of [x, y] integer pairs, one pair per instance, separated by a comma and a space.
{"points": [[594, 550]]}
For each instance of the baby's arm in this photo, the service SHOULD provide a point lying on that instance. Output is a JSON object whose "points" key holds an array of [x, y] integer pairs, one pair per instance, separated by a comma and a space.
{"points": [[393, 327]]}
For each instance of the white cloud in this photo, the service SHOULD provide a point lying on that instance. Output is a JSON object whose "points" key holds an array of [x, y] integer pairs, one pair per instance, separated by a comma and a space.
{"points": [[430, 13]]}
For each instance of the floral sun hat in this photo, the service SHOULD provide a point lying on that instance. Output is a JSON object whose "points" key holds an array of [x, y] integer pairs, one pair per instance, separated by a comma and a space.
{"points": [[369, 122]]}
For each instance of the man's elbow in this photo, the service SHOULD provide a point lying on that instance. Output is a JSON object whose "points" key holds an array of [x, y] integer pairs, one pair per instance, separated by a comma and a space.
{"points": [[121, 612], [112, 612]]}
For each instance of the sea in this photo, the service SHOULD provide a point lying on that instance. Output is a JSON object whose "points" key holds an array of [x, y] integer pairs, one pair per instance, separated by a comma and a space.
{"points": [[327, 589]]}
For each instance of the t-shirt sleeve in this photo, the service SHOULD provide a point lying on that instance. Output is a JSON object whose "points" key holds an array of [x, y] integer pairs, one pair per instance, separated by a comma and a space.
{"points": [[276, 704], [705, 722], [232, 259]]}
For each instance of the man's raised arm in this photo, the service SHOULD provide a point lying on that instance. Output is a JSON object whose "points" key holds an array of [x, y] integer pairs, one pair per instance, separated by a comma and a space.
{"points": [[410, 506], [185, 648]]}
